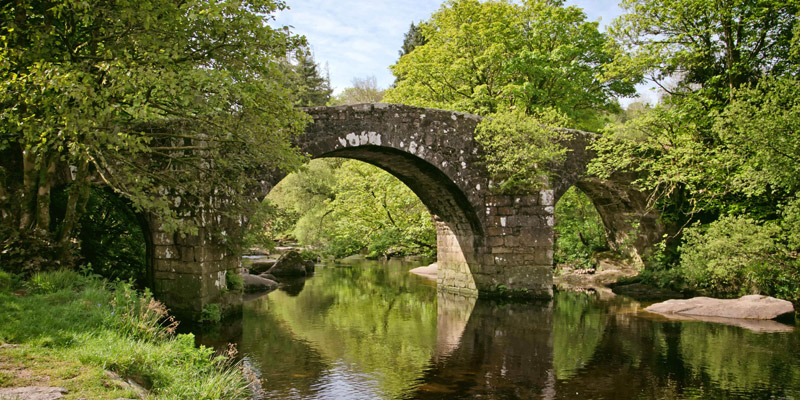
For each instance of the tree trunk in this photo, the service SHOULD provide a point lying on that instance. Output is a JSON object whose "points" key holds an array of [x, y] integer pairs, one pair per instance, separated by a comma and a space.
{"points": [[29, 187], [76, 205], [47, 173]]}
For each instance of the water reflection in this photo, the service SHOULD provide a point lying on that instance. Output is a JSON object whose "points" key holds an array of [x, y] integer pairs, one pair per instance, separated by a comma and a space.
{"points": [[375, 331]]}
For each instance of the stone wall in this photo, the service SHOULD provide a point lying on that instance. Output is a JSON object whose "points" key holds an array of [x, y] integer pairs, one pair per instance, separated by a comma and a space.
{"points": [[189, 273]]}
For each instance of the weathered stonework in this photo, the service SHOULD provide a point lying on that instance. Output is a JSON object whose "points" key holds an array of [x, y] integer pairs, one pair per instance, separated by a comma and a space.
{"points": [[487, 243]]}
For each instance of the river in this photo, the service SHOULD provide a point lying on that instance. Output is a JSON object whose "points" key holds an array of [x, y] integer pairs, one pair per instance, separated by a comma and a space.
{"points": [[371, 330]]}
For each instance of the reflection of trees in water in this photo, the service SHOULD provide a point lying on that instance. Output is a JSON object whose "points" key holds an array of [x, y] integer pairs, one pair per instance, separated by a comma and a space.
{"points": [[378, 320], [642, 359], [578, 326], [736, 359], [377, 327]]}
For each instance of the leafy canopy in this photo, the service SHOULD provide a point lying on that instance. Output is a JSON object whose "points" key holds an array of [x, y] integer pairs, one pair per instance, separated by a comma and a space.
{"points": [[483, 57], [150, 97]]}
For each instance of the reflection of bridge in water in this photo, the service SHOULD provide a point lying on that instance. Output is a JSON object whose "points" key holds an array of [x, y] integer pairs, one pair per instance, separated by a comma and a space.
{"points": [[488, 350]]}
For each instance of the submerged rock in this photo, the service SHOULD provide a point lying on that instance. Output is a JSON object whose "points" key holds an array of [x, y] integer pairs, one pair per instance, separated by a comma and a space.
{"points": [[290, 264], [261, 265], [747, 307], [254, 283]]}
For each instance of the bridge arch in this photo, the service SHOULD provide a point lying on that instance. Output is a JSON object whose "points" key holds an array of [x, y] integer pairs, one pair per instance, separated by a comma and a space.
{"points": [[430, 151]]}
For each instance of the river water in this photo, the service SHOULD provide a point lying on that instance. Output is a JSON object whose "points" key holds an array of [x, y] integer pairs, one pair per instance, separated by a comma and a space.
{"points": [[371, 330]]}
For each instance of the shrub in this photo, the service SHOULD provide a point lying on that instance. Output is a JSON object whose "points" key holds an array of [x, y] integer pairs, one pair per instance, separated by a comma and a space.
{"points": [[731, 256], [234, 281]]}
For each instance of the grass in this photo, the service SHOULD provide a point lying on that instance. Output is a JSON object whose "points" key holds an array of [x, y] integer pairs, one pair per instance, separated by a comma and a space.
{"points": [[83, 333]]}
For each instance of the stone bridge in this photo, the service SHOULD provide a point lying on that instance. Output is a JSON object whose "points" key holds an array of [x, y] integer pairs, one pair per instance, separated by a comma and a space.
{"points": [[486, 242]]}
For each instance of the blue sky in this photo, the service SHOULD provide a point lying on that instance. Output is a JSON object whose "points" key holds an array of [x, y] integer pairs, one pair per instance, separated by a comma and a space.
{"points": [[361, 38]]}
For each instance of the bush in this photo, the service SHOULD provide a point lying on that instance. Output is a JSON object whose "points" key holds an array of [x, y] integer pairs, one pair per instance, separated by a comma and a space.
{"points": [[234, 281], [731, 256]]}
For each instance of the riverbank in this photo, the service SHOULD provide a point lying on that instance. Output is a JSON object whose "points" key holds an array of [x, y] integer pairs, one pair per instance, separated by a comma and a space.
{"points": [[87, 338]]}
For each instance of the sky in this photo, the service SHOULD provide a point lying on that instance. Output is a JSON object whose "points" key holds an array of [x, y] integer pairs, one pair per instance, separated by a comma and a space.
{"points": [[361, 38]]}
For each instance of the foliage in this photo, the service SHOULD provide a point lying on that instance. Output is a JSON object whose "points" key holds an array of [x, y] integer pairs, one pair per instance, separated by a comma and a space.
{"points": [[484, 57], [735, 256], [346, 206], [412, 39], [112, 238], [579, 229], [519, 147], [703, 44], [721, 148], [234, 281], [309, 88], [363, 91], [75, 332], [150, 98]]}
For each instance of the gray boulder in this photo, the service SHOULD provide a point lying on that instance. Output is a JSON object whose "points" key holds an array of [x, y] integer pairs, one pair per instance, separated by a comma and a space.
{"points": [[747, 307], [253, 283], [261, 265], [290, 264]]}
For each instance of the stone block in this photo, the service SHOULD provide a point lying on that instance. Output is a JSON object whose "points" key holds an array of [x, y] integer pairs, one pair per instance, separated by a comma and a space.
{"points": [[511, 241]]}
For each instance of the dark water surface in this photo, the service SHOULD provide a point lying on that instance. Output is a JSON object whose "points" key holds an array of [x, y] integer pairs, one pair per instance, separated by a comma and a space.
{"points": [[371, 330]]}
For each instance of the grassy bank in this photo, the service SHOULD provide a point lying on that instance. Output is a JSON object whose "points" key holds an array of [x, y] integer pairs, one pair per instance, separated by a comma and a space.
{"points": [[100, 340]]}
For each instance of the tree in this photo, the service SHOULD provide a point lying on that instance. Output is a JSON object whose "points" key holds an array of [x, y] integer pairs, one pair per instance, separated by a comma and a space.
{"points": [[412, 39], [713, 46], [309, 87], [482, 57], [173, 105], [721, 148], [364, 90]]}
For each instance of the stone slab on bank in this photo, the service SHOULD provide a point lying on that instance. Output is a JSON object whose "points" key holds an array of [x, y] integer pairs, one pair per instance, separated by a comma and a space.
{"points": [[746, 307], [429, 272]]}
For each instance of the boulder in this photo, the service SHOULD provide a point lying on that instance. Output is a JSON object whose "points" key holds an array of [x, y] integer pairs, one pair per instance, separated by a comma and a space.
{"points": [[429, 272], [253, 283], [290, 264], [261, 265], [747, 307]]}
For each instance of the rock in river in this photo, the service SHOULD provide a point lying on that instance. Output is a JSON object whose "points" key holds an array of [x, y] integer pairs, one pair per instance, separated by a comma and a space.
{"points": [[253, 283], [747, 307], [290, 264], [261, 265]]}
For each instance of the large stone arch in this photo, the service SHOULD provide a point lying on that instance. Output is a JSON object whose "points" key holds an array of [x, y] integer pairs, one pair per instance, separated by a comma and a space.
{"points": [[433, 153]]}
